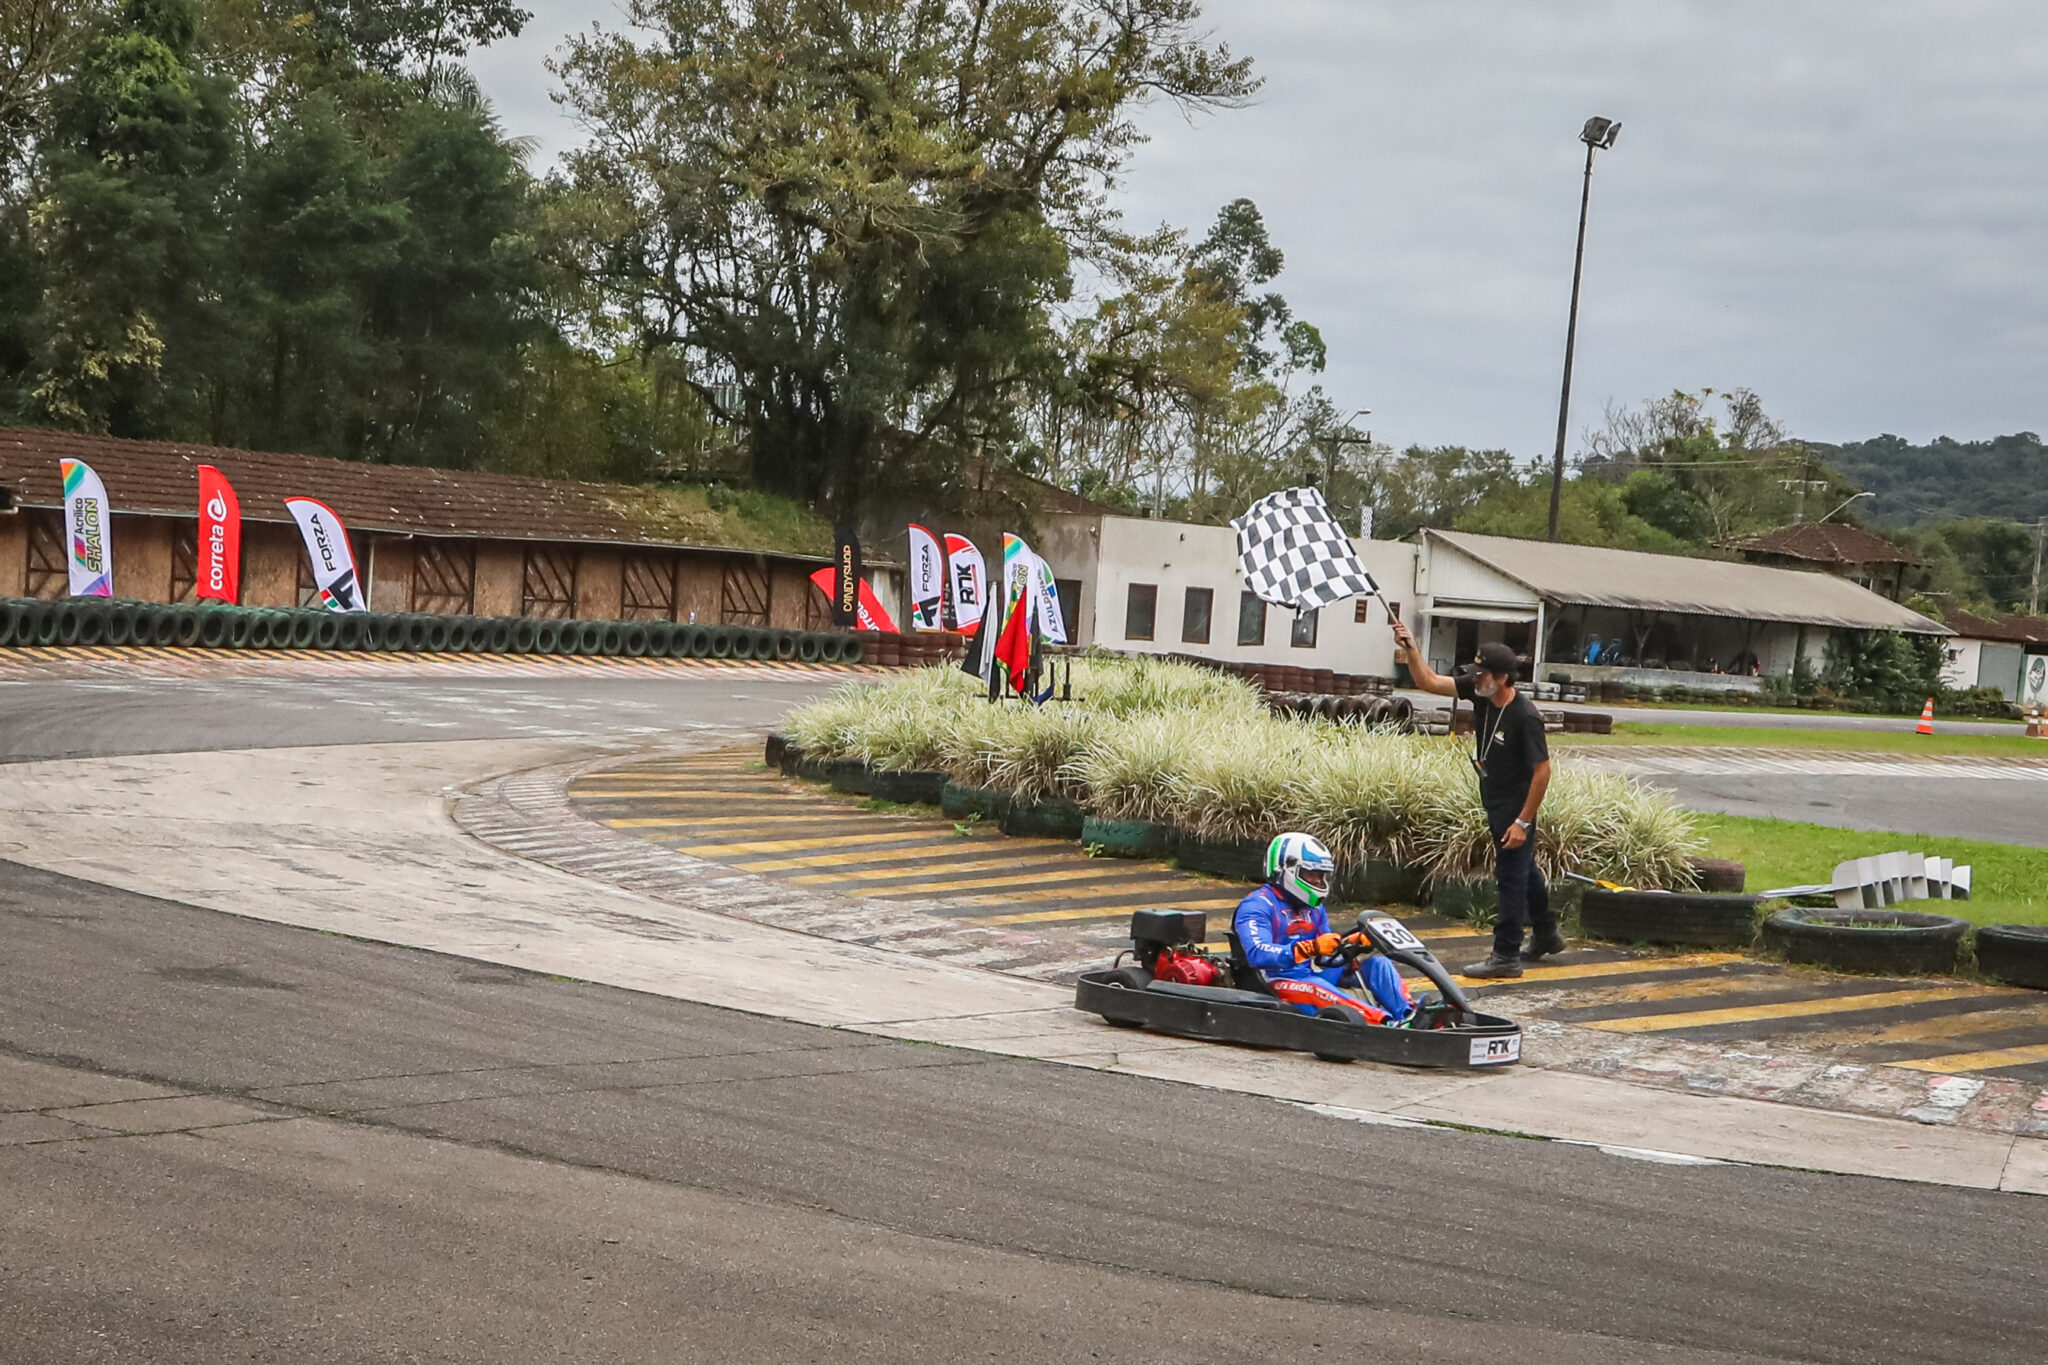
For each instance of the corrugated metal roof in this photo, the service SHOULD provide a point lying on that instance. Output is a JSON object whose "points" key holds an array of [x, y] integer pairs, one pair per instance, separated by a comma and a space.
{"points": [[1631, 579]]}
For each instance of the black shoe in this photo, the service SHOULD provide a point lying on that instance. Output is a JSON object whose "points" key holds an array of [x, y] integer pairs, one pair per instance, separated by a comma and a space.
{"points": [[1543, 945], [1495, 967]]}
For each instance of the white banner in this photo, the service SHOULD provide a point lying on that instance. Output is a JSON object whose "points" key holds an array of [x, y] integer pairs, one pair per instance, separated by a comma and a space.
{"points": [[88, 531], [1052, 620], [967, 583], [927, 579], [334, 567]]}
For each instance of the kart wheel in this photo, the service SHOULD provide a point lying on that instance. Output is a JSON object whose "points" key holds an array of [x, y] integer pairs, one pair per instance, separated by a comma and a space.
{"points": [[1342, 1016], [1127, 979]]}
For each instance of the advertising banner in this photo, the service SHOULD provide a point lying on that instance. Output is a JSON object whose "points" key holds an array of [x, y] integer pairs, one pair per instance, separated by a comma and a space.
{"points": [[220, 538], [334, 566], [1052, 620], [868, 611], [927, 579], [88, 531], [845, 591], [966, 577]]}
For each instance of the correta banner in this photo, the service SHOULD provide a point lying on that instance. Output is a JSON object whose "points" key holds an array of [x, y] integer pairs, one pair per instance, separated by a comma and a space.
{"points": [[966, 576], [927, 579], [869, 613], [220, 538], [88, 526], [334, 567]]}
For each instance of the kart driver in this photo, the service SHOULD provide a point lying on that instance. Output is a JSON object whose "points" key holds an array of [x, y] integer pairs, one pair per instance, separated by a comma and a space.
{"points": [[1283, 929]]}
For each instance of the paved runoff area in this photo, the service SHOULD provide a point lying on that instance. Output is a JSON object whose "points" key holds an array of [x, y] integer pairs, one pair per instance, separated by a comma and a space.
{"points": [[1045, 909]]}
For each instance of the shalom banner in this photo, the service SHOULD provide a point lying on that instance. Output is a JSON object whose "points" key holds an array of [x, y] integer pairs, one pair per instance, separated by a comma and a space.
{"points": [[88, 526], [220, 538], [334, 567]]}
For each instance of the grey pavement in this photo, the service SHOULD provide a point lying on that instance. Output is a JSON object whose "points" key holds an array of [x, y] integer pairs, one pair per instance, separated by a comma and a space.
{"points": [[343, 1151], [2009, 812]]}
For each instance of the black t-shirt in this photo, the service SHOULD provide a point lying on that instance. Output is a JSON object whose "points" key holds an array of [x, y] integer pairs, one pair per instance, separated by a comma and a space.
{"points": [[1509, 742]]}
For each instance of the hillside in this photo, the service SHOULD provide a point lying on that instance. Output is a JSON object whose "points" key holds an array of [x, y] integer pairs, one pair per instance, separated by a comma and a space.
{"points": [[1923, 486]]}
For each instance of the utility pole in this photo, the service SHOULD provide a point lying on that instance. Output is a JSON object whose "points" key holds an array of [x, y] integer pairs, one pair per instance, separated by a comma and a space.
{"points": [[2034, 587], [1598, 135]]}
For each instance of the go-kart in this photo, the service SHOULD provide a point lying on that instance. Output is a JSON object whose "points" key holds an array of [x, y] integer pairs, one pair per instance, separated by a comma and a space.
{"points": [[1445, 1031]]}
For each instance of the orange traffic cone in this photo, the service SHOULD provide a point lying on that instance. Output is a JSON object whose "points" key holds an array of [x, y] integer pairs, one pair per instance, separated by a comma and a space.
{"points": [[1926, 725]]}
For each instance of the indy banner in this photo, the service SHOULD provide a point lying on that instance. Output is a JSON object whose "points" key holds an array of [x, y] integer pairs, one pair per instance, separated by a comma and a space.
{"points": [[220, 538], [88, 526], [869, 613], [927, 579], [334, 566], [966, 581]]}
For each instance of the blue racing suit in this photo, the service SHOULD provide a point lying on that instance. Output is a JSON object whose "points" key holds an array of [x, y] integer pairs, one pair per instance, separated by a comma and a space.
{"points": [[1268, 925]]}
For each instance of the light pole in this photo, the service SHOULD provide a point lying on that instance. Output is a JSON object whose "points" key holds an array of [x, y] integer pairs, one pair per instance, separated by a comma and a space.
{"points": [[1598, 135], [1846, 501]]}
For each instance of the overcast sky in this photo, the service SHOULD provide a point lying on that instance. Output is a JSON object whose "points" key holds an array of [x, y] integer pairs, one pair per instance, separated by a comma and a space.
{"points": [[1839, 205]]}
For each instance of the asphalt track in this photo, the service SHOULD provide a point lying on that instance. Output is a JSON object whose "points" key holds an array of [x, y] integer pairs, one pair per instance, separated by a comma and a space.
{"points": [[224, 1140]]}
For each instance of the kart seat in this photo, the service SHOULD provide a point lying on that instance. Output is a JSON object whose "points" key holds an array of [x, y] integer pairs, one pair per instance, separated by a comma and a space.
{"points": [[1215, 995], [1243, 973]]}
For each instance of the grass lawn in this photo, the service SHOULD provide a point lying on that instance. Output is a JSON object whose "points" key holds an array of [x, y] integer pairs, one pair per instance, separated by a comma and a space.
{"points": [[1628, 732], [2009, 881], [1618, 707]]}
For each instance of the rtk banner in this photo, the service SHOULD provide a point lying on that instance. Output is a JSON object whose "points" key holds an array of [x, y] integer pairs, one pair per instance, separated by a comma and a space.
{"points": [[967, 578], [334, 567], [88, 523]]}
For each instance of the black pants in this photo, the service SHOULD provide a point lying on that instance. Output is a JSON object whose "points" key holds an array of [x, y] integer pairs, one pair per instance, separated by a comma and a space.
{"points": [[1524, 897]]}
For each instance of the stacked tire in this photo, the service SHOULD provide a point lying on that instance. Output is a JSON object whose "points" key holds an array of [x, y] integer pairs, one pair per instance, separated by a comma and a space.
{"points": [[211, 625]]}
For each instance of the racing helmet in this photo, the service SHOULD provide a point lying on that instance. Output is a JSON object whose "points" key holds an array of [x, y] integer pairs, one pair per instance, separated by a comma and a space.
{"points": [[1301, 867]]}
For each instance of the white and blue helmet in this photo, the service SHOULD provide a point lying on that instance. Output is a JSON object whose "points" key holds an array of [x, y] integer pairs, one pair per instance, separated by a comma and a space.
{"points": [[1301, 867]]}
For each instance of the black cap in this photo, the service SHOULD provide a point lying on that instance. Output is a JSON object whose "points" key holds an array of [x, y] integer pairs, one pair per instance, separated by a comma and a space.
{"points": [[1496, 658]]}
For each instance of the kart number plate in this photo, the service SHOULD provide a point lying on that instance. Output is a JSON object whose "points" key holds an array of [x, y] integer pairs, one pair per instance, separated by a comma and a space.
{"points": [[1395, 933], [1496, 1051]]}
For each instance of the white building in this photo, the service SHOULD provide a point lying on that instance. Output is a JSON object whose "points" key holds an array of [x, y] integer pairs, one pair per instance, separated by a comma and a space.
{"points": [[1169, 587]]}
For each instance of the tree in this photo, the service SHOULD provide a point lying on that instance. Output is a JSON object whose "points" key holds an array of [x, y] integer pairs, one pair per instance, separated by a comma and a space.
{"points": [[861, 211], [1733, 475], [1431, 486]]}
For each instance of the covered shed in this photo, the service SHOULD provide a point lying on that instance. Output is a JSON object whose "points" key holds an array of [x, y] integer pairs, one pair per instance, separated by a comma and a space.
{"points": [[430, 540], [1594, 614], [1864, 558]]}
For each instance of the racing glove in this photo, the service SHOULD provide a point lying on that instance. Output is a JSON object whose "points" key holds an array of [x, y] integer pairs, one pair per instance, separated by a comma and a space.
{"points": [[1358, 940], [1322, 945]]}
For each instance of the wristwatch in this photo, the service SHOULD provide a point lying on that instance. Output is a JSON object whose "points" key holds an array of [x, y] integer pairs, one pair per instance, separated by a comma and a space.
{"points": [[1526, 824]]}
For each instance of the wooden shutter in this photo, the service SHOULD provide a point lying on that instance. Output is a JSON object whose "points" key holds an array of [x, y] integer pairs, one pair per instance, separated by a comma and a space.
{"points": [[743, 592], [444, 576], [185, 563], [49, 575], [548, 586], [647, 587]]}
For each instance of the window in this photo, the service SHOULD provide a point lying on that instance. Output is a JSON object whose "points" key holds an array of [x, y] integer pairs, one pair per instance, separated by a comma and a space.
{"points": [[743, 592], [443, 576], [1069, 590], [547, 585], [1362, 610], [1304, 633], [1251, 620], [1139, 609], [647, 587], [49, 571], [1195, 611]]}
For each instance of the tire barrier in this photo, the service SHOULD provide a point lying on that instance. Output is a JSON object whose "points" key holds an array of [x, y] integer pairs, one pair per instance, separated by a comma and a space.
{"points": [[215, 625], [2016, 954], [1683, 919]]}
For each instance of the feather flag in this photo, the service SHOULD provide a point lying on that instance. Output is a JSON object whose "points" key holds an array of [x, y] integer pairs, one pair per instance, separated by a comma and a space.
{"points": [[927, 579], [966, 584], [88, 526], [869, 614]]}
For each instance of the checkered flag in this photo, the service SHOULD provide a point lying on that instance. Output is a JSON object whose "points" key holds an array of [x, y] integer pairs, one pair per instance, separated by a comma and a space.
{"points": [[1295, 555]]}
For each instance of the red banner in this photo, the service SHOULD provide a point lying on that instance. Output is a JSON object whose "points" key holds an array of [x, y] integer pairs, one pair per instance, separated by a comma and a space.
{"points": [[220, 537], [871, 614]]}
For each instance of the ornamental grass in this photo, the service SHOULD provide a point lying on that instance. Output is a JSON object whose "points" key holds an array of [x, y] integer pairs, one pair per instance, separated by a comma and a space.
{"points": [[1167, 742]]}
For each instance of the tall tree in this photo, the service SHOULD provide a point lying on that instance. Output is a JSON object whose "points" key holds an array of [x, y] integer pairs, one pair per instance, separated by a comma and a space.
{"points": [[860, 211]]}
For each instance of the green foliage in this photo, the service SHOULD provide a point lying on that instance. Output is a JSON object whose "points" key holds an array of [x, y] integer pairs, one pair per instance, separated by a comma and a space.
{"points": [[1423, 485], [1893, 669], [1590, 512], [1945, 480]]}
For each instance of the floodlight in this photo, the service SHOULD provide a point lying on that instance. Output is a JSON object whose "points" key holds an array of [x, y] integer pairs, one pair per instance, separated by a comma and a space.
{"points": [[1600, 132]]}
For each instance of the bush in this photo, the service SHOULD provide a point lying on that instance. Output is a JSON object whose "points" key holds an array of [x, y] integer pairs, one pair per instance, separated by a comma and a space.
{"points": [[1171, 744]]}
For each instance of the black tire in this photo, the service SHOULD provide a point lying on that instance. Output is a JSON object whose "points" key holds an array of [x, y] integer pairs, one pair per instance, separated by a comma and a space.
{"points": [[1241, 860], [721, 642], [327, 631], [547, 638], [771, 752], [92, 628], [851, 650], [744, 642], [808, 649], [1130, 838], [241, 629], [788, 644], [435, 630], [42, 625], [497, 636], [1719, 874], [525, 635], [906, 786], [257, 636], [590, 637], [377, 631], [10, 618], [960, 802], [118, 628], [633, 641], [1131, 978], [69, 621], [352, 630], [1336, 1014], [1684, 918], [413, 633], [1910, 944], [461, 633], [305, 630], [851, 776], [661, 639], [2016, 954]]}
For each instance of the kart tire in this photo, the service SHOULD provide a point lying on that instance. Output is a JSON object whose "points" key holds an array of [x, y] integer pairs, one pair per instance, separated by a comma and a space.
{"points": [[1337, 1014], [437, 635], [1131, 978], [241, 629], [2016, 954], [1719, 874], [1681, 918], [1910, 944], [661, 639]]}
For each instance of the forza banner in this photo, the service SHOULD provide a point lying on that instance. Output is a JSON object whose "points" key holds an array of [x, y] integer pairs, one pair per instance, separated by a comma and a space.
{"points": [[868, 612], [220, 538], [334, 567], [927, 579], [88, 527], [966, 577]]}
